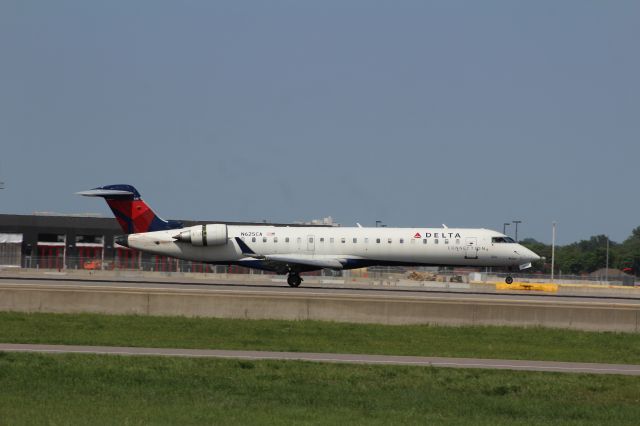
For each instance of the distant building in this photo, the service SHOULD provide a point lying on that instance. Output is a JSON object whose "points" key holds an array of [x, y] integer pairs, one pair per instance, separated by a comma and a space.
{"points": [[325, 221], [81, 241]]}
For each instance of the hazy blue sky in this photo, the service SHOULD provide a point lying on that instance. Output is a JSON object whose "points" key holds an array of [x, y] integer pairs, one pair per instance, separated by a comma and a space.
{"points": [[413, 113]]}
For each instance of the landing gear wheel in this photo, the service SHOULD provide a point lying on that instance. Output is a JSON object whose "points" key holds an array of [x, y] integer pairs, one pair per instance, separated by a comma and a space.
{"points": [[294, 279], [508, 280]]}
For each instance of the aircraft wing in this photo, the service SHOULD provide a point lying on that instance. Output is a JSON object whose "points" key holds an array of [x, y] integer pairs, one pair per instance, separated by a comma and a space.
{"points": [[306, 261]]}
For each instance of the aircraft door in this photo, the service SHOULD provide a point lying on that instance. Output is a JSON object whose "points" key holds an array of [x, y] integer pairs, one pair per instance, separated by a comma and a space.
{"points": [[311, 243], [471, 248]]}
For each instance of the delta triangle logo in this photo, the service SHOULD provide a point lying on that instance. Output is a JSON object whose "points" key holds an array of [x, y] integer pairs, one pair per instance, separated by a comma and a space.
{"points": [[417, 235]]}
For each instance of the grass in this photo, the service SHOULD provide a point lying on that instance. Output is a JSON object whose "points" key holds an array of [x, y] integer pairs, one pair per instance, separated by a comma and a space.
{"points": [[314, 336], [98, 389]]}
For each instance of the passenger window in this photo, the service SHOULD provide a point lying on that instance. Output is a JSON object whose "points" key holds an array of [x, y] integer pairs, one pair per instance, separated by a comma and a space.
{"points": [[253, 240], [310, 239], [275, 239], [264, 239], [377, 240], [446, 241], [322, 239], [457, 241], [389, 240], [355, 240], [401, 240], [424, 241], [343, 240], [435, 241], [286, 240]]}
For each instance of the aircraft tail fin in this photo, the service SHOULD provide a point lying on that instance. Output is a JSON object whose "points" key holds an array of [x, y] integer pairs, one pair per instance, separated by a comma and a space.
{"points": [[132, 213]]}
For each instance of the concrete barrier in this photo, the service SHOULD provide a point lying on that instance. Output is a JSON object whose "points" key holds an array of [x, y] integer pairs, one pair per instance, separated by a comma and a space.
{"points": [[324, 307]]}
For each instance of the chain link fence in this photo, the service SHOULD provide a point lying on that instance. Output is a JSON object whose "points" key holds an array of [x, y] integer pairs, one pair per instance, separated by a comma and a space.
{"points": [[11, 258], [134, 262]]}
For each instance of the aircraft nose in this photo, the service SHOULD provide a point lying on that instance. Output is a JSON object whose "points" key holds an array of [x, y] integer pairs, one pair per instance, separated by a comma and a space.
{"points": [[530, 255], [123, 240]]}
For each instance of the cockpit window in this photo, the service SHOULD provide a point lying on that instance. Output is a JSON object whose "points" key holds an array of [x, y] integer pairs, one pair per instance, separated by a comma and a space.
{"points": [[497, 240]]}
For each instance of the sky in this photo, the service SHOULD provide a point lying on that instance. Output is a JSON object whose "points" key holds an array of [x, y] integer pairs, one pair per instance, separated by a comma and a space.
{"points": [[414, 113]]}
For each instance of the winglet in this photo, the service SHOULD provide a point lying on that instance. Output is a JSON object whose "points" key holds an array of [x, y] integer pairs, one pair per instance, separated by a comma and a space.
{"points": [[246, 250]]}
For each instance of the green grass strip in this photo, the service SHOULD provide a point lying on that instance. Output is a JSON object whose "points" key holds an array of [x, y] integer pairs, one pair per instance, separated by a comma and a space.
{"points": [[316, 336], [98, 389]]}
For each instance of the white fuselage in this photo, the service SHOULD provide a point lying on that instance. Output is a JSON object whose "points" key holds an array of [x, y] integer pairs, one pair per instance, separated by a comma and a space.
{"points": [[346, 247]]}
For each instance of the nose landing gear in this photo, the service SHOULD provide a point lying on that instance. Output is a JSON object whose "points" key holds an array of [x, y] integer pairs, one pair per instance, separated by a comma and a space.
{"points": [[508, 280], [294, 279]]}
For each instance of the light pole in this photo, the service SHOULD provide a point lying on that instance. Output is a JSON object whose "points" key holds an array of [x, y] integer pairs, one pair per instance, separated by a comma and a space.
{"points": [[606, 269], [553, 248], [517, 222], [504, 227]]}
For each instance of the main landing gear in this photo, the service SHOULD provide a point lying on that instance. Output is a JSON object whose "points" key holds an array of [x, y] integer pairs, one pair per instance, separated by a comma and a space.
{"points": [[508, 280], [294, 279]]}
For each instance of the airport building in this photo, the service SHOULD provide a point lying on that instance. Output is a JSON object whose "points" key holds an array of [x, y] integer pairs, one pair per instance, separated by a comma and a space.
{"points": [[52, 241]]}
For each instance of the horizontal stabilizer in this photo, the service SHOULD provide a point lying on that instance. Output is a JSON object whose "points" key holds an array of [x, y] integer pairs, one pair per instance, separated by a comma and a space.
{"points": [[98, 192], [119, 191]]}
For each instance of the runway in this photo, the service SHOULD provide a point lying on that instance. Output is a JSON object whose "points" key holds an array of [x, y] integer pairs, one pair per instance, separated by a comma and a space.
{"points": [[267, 286], [494, 364]]}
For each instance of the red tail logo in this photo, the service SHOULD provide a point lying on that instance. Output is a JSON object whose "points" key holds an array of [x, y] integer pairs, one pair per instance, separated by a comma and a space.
{"points": [[133, 215]]}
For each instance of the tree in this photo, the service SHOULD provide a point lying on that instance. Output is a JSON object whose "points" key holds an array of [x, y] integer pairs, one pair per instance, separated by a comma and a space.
{"points": [[628, 253], [589, 255]]}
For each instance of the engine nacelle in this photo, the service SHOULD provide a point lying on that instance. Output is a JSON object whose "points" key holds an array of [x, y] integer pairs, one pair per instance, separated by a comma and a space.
{"points": [[204, 235]]}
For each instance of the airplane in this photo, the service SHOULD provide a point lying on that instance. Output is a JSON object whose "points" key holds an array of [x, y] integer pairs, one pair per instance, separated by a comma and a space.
{"points": [[292, 250]]}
